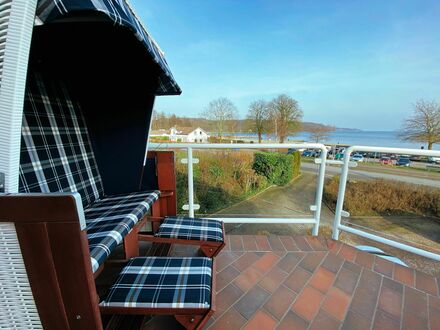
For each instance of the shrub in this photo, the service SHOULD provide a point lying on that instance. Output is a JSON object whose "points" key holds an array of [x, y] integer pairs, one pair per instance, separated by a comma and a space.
{"points": [[221, 179], [278, 168], [384, 197]]}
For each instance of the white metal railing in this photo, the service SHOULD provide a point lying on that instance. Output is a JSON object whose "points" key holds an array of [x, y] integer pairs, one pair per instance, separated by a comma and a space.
{"points": [[339, 213], [316, 208]]}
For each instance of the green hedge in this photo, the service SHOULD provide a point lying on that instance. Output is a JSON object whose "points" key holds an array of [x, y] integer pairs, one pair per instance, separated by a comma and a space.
{"points": [[278, 168]]}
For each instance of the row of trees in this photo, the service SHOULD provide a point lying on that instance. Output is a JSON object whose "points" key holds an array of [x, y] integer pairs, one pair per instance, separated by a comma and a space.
{"points": [[282, 116]]}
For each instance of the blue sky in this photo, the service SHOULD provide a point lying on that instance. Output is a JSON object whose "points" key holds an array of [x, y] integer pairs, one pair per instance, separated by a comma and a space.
{"points": [[359, 64]]}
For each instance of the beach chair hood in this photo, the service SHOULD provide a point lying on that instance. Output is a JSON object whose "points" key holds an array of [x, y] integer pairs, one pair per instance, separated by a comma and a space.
{"points": [[120, 13]]}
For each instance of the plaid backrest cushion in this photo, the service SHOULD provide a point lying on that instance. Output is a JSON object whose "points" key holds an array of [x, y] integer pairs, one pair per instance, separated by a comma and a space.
{"points": [[56, 152]]}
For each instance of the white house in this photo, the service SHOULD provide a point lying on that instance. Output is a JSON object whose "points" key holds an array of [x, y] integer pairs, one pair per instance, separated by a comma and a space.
{"points": [[187, 134]]}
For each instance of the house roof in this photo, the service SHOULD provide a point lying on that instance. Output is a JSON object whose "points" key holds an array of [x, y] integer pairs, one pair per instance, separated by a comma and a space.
{"points": [[188, 130]]}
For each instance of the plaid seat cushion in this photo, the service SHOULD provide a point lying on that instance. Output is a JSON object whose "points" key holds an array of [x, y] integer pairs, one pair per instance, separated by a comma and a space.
{"points": [[56, 153], [109, 220], [163, 282], [191, 229]]}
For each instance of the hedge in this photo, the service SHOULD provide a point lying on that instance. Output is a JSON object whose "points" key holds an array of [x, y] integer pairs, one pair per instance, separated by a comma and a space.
{"points": [[278, 168]]}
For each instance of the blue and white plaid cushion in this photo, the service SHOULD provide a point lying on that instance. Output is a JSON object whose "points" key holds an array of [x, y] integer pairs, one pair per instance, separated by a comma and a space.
{"points": [[163, 282], [191, 229], [56, 153], [109, 220]]}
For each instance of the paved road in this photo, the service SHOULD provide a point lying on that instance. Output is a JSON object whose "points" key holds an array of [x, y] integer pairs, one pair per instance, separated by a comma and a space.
{"points": [[370, 174]]}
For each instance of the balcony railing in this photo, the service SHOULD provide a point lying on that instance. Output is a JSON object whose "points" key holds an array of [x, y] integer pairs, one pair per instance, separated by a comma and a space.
{"points": [[340, 213], [315, 208], [321, 161]]}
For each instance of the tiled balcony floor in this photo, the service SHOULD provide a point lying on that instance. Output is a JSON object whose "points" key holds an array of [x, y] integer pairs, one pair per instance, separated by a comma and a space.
{"points": [[305, 282], [284, 282]]}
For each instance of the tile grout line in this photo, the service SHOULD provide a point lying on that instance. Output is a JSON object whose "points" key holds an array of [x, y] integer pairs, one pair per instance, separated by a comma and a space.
{"points": [[377, 302]]}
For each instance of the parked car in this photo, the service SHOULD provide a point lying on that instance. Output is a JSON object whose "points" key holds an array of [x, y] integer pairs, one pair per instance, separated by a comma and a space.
{"points": [[403, 161], [386, 161], [434, 160], [339, 156], [309, 153], [357, 158], [380, 253]]}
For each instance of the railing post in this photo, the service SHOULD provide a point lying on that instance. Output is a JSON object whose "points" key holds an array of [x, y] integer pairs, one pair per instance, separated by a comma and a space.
{"points": [[319, 191], [341, 193], [189, 156]]}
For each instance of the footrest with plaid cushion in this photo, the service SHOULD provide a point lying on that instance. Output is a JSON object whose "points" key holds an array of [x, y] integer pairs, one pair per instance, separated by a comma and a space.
{"points": [[207, 233], [164, 285], [191, 229]]}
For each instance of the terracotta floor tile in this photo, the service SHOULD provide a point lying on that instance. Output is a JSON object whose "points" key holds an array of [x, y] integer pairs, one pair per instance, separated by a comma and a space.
{"points": [[247, 279], [434, 312], [336, 303], [334, 246], [383, 267], [434, 302], [236, 242], [262, 243], [289, 243], [346, 280], [273, 279], [384, 321], [332, 262], [297, 279], [370, 279], [348, 252], [315, 243], [324, 321], [307, 303], [290, 260], [230, 320], [266, 262], [249, 243], [426, 283], [311, 261], [225, 277], [416, 302], [351, 266], [355, 321], [302, 243], [411, 321], [261, 321], [434, 320], [404, 275], [366, 294], [280, 301], [293, 322], [251, 301], [322, 279], [224, 259], [275, 243], [246, 260], [390, 301], [226, 298], [364, 259]]}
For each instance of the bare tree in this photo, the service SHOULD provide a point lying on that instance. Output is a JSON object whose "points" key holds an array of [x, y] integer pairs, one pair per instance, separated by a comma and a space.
{"points": [[258, 113], [320, 133], [222, 111], [286, 115], [424, 125]]}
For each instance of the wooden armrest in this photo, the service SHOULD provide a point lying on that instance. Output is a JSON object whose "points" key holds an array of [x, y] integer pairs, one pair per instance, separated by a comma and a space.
{"points": [[166, 193], [155, 219]]}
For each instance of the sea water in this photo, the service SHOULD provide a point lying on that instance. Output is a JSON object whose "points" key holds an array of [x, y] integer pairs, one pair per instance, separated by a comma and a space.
{"points": [[342, 137]]}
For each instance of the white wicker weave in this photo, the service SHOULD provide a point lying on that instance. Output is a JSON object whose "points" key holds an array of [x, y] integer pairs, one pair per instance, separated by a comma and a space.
{"points": [[17, 305], [16, 23]]}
